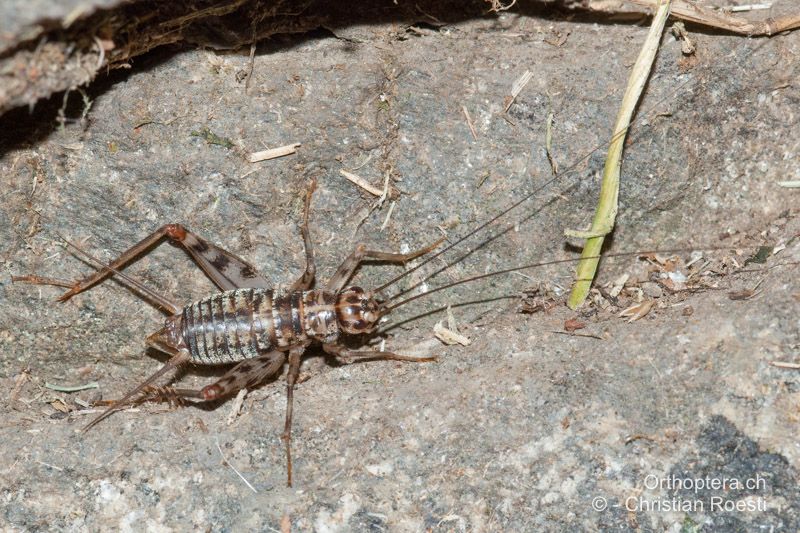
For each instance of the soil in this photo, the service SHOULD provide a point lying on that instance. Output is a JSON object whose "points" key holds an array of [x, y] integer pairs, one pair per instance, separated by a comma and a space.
{"points": [[550, 419]]}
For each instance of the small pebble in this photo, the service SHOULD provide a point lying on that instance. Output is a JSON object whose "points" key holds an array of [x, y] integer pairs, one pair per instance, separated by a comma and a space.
{"points": [[653, 290]]}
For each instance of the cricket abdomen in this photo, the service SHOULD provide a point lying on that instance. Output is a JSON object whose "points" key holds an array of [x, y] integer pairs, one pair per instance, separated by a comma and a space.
{"points": [[244, 323]]}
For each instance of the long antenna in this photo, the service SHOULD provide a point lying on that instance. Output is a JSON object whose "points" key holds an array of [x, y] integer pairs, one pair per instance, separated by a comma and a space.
{"points": [[401, 303], [522, 200], [393, 325], [472, 250], [477, 229]]}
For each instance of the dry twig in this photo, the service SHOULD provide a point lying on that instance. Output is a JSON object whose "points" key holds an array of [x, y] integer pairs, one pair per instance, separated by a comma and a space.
{"points": [[469, 122], [273, 153], [361, 182], [784, 364], [516, 88], [686, 10]]}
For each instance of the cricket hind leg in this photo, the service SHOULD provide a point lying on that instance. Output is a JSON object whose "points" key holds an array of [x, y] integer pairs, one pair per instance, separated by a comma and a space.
{"points": [[33, 279], [246, 374], [306, 280], [148, 294], [295, 355], [225, 269], [360, 254], [179, 357]]}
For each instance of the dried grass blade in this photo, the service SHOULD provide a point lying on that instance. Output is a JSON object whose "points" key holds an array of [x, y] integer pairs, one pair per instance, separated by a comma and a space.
{"points": [[606, 212]]}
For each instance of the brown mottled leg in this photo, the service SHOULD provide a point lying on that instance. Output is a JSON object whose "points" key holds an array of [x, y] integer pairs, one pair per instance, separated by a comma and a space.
{"points": [[120, 262], [248, 373], [225, 269], [148, 294], [348, 267], [307, 279], [179, 357], [346, 356], [291, 378], [41, 280]]}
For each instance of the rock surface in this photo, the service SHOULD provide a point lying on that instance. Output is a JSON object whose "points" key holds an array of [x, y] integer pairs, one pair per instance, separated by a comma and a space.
{"points": [[526, 428]]}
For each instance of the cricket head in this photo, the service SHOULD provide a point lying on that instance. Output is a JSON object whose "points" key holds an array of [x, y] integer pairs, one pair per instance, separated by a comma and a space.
{"points": [[358, 311]]}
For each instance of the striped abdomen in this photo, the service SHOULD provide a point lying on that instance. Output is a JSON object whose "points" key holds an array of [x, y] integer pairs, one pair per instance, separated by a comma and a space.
{"points": [[245, 323]]}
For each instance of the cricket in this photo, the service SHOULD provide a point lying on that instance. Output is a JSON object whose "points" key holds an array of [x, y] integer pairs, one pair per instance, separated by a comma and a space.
{"points": [[250, 323], [259, 328], [400, 266]]}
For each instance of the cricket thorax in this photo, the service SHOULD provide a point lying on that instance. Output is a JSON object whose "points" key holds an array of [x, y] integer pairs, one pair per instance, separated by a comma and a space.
{"points": [[357, 311], [319, 315]]}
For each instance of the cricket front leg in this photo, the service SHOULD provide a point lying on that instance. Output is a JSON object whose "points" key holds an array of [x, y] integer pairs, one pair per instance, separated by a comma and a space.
{"points": [[346, 356], [348, 267], [306, 280]]}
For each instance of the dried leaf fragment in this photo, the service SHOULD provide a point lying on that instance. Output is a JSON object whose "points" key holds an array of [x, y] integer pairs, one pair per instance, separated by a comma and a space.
{"points": [[450, 337], [617, 285], [637, 311], [687, 45], [537, 298], [573, 324], [745, 294], [237, 406], [449, 334], [59, 405]]}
